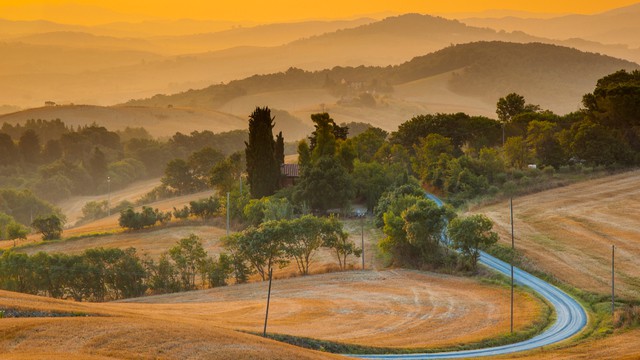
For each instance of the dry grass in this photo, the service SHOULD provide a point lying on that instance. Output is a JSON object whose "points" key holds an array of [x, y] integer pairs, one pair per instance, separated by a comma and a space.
{"points": [[109, 225], [72, 207], [389, 308], [622, 346], [568, 232], [129, 336]]}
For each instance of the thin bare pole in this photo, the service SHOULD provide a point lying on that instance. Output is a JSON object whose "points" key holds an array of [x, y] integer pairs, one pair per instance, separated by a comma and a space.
{"points": [[613, 279], [266, 315], [362, 239], [513, 253], [228, 202]]}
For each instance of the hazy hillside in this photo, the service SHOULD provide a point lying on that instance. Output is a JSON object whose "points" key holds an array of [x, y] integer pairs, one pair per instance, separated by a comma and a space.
{"points": [[619, 26], [159, 121], [261, 35], [553, 76], [104, 77]]}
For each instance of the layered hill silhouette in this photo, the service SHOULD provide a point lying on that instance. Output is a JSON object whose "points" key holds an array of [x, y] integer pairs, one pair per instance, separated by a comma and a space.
{"points": [[467, 77], [619, 26], [36, 78], [552, 76]]}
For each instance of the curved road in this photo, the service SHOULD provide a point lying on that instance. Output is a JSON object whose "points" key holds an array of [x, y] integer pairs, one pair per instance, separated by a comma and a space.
{"points": [[571, 317]]}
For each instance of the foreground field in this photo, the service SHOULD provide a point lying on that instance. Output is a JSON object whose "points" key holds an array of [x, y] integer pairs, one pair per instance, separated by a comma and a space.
{"points": [[568, 232], [115, 334], [388, 308]]}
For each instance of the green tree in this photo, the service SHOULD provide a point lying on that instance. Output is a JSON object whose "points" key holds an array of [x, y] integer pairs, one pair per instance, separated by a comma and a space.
{"points": [[304, 155], [517, 152], [8, 151], [16, 231], [225, 175], [49, 226], [178, 177], [279, 150], [190, 259], [220, 270], [163, 276], [371, 180], [201, 164], [97, 166], [263, 169], [29, 145], [262, 247], [205, 208], [615, 104], [510, 106], [544, 144], [369, 142], [432, 155], [414, 227], [326, 185], [336, 239], [470, 235], [305, 238]]}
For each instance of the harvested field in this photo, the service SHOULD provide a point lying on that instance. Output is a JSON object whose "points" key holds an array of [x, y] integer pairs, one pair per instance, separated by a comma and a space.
{"points": [[568, 232], [390, 308], [623, 345], [109, 224], [397, 308], [72, 207], [124, 336]]}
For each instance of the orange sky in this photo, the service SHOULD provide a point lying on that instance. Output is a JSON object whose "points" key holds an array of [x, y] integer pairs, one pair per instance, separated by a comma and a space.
{"points": [[100, 11]]}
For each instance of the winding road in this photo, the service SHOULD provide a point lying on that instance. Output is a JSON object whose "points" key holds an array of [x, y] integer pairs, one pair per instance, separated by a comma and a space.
{"points": [[571, 317]]}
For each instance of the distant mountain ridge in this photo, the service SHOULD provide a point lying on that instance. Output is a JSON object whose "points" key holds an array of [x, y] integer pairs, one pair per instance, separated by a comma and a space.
{"points": [[618, 26], [391, 41], [553, 76]]}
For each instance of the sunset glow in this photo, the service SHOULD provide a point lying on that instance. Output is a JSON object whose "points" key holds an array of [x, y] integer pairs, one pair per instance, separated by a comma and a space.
{"points": [[97, 11]]}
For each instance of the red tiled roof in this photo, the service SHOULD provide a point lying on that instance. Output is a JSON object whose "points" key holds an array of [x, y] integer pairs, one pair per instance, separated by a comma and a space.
{"points": [[290, 170]]}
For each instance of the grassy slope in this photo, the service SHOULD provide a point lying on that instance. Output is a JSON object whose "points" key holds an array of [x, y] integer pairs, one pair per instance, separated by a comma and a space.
{"points": [[568, 232], [389, 308]]}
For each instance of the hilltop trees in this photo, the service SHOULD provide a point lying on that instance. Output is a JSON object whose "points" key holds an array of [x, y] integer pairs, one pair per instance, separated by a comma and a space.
{"points": [[325, 182], [263, 169]]}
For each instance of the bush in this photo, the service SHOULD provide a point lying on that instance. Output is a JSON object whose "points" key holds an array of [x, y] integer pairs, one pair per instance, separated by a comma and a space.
{"points": [[131, 219], [49, 226], [510, 188]]}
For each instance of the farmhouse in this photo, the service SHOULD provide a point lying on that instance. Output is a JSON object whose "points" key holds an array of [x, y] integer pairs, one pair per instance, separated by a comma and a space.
{"points": [[289, 174]]}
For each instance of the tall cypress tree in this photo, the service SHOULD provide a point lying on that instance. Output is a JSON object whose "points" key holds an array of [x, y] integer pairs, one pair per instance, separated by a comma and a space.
{"points": [[263, 170], [280, 148]]}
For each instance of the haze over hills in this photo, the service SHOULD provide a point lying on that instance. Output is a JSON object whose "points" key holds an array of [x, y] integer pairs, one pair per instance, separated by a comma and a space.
{"points": [[619, 26], [468, 77], [552, 76], [144, 73]]}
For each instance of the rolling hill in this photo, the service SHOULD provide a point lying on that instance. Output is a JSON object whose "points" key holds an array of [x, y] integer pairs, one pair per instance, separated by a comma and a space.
{"points": [[619, 26], [475, 74], [392, 41], [160, 121]]}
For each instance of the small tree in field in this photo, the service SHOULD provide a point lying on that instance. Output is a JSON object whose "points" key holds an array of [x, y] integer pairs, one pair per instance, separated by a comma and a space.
{"points": [[470, 235], [190, 258], [16, 231], [49, 226]]}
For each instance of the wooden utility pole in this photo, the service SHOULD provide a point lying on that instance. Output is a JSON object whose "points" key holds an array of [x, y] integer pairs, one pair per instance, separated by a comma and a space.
{"points": [[228, 210], [362, 239], [266, 315], [613, 279], [513, 254]]}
